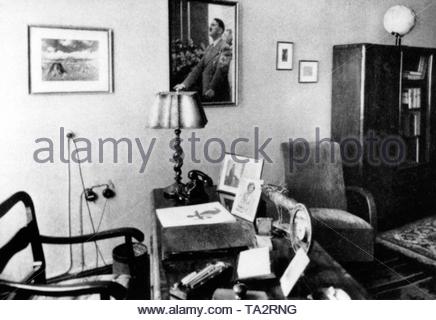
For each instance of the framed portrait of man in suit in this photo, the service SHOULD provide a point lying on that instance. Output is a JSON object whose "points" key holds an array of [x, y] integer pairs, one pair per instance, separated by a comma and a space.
{"points": [[204, 49]]}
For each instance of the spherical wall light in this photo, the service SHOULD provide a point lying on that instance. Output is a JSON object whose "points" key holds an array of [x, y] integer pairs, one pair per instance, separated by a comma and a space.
{"points": [[399, 20]]}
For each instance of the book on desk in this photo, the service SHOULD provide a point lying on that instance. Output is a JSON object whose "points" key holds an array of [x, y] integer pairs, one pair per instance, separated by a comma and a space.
{"points": [[201, 229]]}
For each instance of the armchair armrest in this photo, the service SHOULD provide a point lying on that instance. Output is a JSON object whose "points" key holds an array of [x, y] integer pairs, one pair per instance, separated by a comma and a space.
{"points": [[361, 203], [104, 288], [128, 233]]}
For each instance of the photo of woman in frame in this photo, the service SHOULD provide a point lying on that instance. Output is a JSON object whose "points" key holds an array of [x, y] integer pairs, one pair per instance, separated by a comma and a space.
{"points": [[247, 199]]}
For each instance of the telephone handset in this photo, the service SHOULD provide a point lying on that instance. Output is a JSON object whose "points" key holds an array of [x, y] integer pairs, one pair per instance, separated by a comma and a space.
{"points": [[197, 175], [193, 192]]}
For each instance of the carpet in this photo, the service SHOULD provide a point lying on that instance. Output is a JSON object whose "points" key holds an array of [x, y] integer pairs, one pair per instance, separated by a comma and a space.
{"points": [[393, 276], [416, 240]]}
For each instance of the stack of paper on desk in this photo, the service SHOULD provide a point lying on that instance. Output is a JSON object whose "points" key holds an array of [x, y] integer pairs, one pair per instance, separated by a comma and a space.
{"points": [[255, 264]]}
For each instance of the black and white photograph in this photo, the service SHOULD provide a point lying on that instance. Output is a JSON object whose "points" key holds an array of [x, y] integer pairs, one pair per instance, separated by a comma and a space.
{"points": [[236, 167], [66, 59], [247, 199], [147, 146], [203, 49]]}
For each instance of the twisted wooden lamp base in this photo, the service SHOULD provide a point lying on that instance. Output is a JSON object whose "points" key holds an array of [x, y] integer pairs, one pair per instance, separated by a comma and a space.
{"points": [[173, 190]]}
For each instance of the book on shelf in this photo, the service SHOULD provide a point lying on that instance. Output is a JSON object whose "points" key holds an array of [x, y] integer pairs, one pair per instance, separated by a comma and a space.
{"points": [[412, 124], [419, 74], [405, 97], [413, 150], [417, 124], [422, 64], [412, 98]]}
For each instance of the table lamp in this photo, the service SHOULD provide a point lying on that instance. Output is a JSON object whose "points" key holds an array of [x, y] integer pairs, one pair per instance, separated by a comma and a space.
{"points": [[398, 21], [177, 110]]}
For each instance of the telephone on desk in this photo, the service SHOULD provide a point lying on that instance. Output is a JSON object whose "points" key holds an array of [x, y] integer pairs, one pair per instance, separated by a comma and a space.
{"points": [[193, 192]]}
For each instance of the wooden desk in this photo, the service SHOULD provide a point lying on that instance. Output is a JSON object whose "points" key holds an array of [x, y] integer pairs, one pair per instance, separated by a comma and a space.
{"points": [[322, 271]]}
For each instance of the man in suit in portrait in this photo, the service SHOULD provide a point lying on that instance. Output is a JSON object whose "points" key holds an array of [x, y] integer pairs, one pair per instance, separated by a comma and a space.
{"points": [[213, 68]]}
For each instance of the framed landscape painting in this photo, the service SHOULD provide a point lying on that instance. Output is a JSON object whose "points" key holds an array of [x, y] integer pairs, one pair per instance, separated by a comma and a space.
{"points": [[204, 49], [69, 59]]}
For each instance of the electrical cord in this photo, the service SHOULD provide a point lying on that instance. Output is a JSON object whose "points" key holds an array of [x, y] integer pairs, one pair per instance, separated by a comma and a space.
{"points": [[97, 249], [98, 228], [81, 228], [83, 183], [82, 245], [102, 215], [69, 192], [69, 204]]}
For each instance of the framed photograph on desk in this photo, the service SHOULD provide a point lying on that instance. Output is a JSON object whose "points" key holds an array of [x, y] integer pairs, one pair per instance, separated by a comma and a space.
{"points": [[247, 199], [235, 168]]}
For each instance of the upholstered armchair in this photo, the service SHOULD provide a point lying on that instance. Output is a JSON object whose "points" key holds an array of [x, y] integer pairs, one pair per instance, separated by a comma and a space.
{"points": [[99, 282], [344, 217]]}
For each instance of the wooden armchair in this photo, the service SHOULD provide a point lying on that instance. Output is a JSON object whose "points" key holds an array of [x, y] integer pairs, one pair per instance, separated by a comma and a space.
{"points": [[36, 283], [344, 217]]}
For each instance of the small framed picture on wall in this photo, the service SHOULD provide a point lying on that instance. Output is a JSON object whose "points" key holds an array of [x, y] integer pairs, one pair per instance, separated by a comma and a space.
{"points": [[308, 71], [285, 55]]}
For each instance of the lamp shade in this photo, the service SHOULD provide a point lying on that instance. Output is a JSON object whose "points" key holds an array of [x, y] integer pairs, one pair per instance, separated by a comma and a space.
{"points": [[174, 110], [399, 20]]}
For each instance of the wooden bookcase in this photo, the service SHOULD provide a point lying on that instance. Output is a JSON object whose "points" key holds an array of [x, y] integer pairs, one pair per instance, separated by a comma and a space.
{"points": [[384, 98]]}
